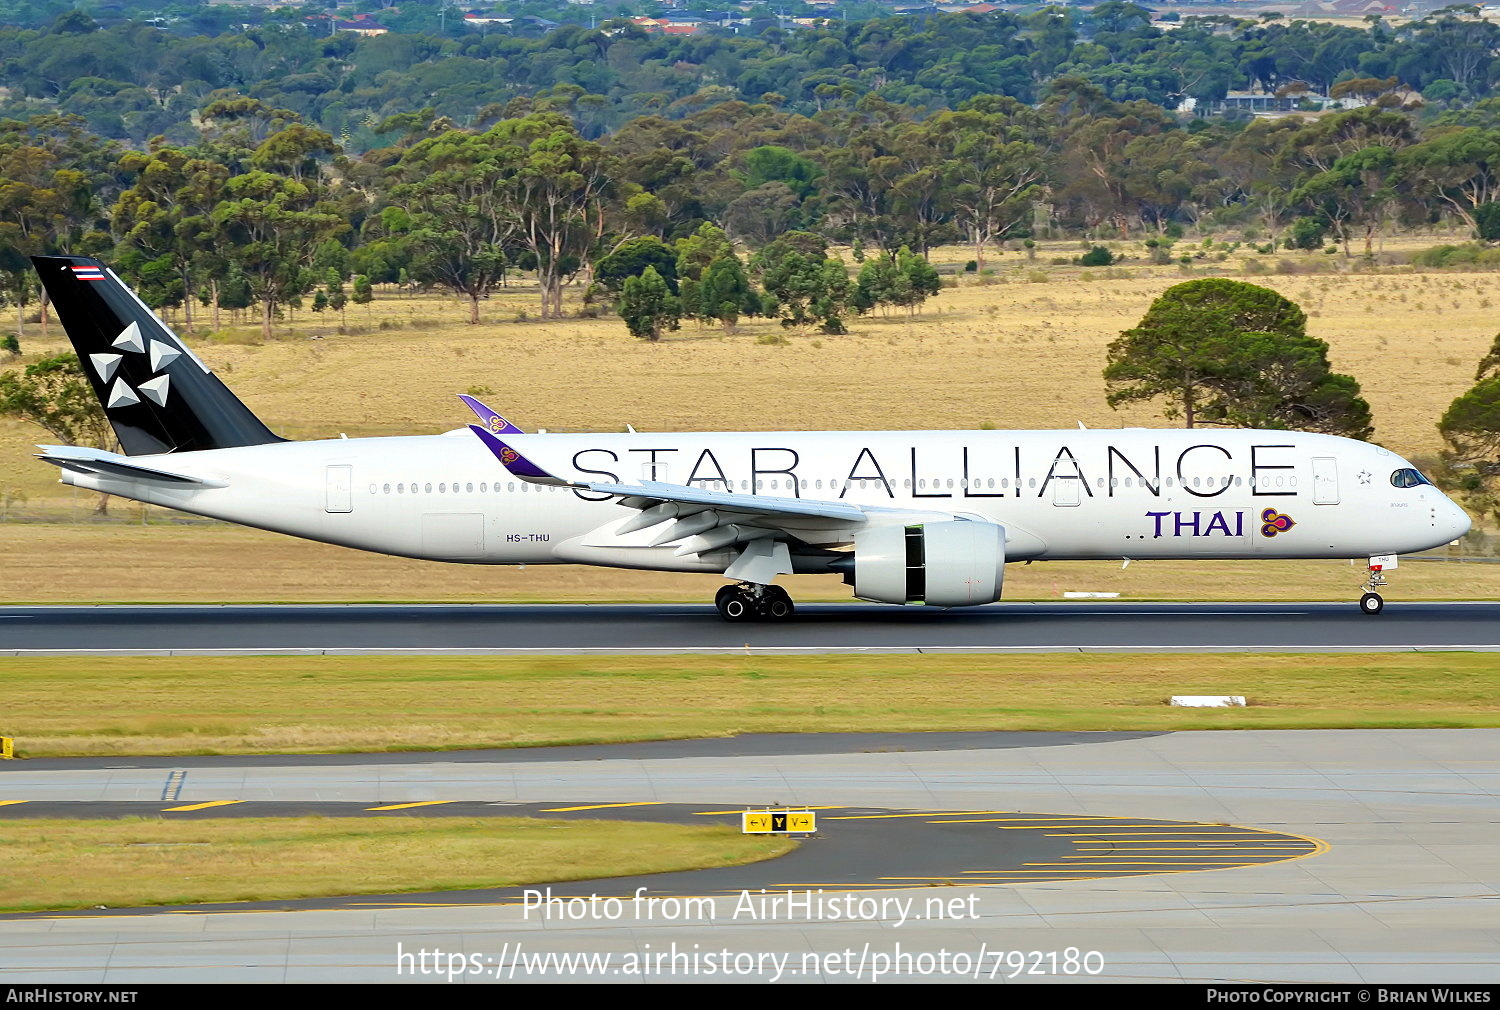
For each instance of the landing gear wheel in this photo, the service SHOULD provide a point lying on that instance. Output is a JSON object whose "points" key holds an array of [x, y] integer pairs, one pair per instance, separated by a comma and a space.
{"points": [[736, 605], [724, 593], [776, 604], [1371, 603]]}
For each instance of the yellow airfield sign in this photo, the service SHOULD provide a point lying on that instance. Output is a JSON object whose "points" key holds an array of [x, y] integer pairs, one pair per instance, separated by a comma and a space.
{"points": [[778, 822]]}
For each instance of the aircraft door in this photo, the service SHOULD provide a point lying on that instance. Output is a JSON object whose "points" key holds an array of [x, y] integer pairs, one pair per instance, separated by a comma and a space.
{"points": [[1065, 490], [1325, 480], [339, 496]]}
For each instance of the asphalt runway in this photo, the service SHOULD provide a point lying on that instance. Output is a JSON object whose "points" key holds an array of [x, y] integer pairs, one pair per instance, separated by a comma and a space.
{"points": [[1396, 880], [664, 628]]}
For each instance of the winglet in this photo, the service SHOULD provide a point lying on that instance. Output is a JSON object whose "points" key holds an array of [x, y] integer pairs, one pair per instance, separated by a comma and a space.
{"points": [[487, 417], [518, 465]]}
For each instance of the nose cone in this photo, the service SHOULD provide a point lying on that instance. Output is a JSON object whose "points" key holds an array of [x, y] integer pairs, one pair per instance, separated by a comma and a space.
{"points": [[1451, 521]]}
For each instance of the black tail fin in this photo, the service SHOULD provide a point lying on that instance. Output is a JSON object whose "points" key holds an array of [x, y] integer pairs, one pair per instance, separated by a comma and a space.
{"points": [[156, 393]]}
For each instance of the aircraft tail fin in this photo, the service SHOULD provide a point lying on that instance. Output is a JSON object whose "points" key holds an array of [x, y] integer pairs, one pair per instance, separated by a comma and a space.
{"points": [[156, 393]]}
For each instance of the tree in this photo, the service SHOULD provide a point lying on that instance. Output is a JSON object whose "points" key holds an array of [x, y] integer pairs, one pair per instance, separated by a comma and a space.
{"points": [[1471, 429], [1355, 193], [556, 186], [364, 291], [165, 216], [56, 395], [723, 295], [631, 258], [647, 306], [1231, 353], [905, 279], [808, 289], [997, 171], [273, 226], [451, 212]]}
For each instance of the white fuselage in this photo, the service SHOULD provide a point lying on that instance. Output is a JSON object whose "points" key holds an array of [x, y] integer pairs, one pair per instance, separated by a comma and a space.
{"points": [[1061, 495]]}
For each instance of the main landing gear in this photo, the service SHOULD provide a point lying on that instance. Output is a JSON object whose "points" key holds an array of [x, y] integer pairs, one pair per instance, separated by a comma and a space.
{"points": [[751, 601], [1371, 602]]}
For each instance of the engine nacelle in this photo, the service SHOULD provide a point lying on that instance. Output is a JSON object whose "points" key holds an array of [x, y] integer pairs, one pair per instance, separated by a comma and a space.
{"points": [[945, 564]]}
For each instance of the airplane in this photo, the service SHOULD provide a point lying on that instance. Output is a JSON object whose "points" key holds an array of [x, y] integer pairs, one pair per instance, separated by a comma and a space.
{"points": [[912, 518]]}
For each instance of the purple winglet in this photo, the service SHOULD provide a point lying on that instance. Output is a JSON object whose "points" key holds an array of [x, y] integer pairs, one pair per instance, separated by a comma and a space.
{"points": [[487, 417], [513, 461]]}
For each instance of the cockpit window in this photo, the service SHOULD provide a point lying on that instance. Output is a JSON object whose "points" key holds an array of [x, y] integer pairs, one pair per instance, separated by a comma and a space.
{"points": [[1407, 477]]}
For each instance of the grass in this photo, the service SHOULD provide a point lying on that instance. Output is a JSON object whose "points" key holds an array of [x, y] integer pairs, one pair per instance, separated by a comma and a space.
{"points": [[217, 563], [160, 705], [52, 864]]}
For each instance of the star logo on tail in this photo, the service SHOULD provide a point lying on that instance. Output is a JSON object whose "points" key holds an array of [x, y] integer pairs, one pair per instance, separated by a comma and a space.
{"points": [[159, 354]]}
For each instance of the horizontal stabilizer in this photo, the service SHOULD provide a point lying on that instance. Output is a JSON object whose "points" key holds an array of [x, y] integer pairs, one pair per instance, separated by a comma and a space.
{"points": [[80, 459]]}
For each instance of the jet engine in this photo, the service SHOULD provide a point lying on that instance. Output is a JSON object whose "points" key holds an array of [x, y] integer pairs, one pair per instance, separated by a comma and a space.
{"points": [[943, 564]]}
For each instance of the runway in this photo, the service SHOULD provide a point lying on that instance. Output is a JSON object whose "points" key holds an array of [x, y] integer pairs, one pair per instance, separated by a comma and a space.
{"points": [[1402, 886], [649, 628]]}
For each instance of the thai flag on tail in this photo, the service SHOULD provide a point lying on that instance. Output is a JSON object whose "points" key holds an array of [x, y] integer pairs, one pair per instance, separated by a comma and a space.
{"points": [[88, 273]]}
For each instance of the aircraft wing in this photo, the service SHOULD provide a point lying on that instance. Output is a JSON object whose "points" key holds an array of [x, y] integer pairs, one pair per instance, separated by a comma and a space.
{"points": [[98, 463], [702, 520]]}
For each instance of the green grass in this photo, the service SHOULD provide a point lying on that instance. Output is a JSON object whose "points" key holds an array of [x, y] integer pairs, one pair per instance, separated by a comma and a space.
{"points": [[296, 704], [54, 864]]}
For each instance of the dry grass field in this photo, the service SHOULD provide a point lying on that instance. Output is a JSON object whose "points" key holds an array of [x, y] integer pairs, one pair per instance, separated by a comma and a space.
{"points": [[133, 862], [1023, 348], [300, 704]]}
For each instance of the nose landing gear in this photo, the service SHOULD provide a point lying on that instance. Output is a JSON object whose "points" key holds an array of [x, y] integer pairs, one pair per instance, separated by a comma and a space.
{"points": [[1372, 603], [751, 601]]}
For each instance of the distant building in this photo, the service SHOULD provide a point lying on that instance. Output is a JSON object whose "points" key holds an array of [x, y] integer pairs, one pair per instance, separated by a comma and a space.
{"points": [[361, 25], [483, 18], [1251, 102]]}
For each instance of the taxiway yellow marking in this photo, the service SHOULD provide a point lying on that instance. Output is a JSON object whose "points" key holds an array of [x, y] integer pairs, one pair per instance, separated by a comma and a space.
{"points": [[741, 810], [1095, 839], [10, 803], [604, 806], [925, 813], [1154, 836], [1058, 824], [201, 806], [1106, 863], [404, 806]]}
